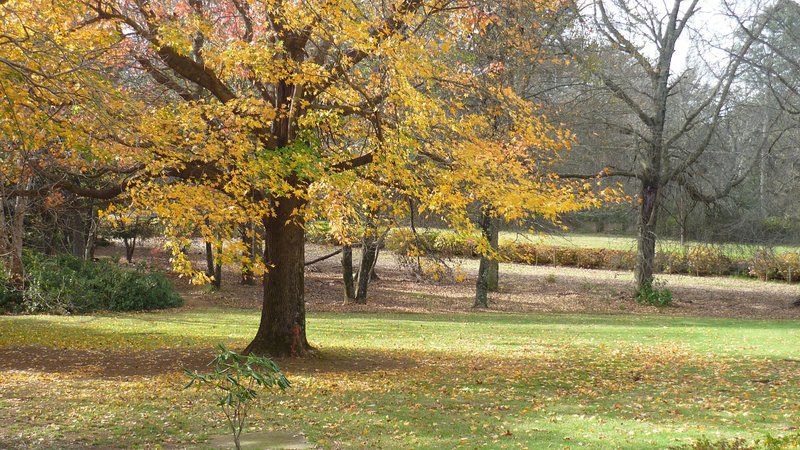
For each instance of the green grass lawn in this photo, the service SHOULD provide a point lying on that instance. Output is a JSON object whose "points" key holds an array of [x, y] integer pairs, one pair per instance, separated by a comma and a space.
{"points": [[423, 381], [626, 242]]}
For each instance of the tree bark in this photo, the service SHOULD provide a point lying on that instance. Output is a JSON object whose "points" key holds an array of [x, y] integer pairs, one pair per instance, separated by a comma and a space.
{"points": [[17, 269], [91, 232], [282, 331], [209, 259], [369, 256], [79, 233], [646, 242], [130, 248], [129, 239], [347, 273], [492, 233], [218, 269], [489, 268], [249, 241]]}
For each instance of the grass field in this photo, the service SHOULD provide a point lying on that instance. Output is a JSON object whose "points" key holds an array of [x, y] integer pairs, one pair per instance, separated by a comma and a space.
{"points": [[408, 381], [570, 239], [627, 243]]}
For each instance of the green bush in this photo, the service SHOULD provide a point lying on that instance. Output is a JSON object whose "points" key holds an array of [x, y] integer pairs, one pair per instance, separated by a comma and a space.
{"points": [[65, 284]]}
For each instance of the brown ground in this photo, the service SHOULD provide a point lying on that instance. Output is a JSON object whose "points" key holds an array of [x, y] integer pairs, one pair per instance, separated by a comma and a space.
{"points": [[523, 289]]}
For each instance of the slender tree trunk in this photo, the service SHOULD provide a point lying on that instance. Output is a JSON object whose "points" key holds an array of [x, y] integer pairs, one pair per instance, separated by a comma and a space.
{"points": [[492, 233], [373, 274], [129, 239], [17, 269], [369, 256], [209, 259], [91, 232], [488, 269], [282, 331], [249, 241], [347, 273], [763, 168], [130, 247], [646, 243], [79, 235], [482, 285], [5, 238], [218, 268]]}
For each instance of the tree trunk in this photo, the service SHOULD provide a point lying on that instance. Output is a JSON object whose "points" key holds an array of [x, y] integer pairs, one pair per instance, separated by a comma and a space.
{"points": [[282, 331], [79, 234], [91, 232], [489, 268], [492, 234], [209, 259], [482, 286], [17, 269], [373, 275], [646, 243], [347, 273], [218, 269], [5, 238], [369, 256], [249, 241], [130, 247]]}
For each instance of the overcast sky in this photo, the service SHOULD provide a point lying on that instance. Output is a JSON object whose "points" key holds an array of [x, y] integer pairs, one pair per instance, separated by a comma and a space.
{"points": [[709, 30]]}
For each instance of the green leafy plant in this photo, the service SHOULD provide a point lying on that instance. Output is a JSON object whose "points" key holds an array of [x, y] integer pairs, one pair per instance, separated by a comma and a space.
{"points": [[237, 379], [655, 294], [64, 284]]}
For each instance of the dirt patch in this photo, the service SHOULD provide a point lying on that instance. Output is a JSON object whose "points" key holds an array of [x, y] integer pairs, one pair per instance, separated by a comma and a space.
{"points": [[523, 289], [282, 440]]}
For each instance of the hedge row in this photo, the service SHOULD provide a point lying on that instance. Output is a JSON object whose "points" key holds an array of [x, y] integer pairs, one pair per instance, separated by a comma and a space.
{"points": [[697, 260]]}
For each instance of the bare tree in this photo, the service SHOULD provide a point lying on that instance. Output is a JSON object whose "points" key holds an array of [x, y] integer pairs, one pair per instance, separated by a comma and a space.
{"points": [[631, 57]]}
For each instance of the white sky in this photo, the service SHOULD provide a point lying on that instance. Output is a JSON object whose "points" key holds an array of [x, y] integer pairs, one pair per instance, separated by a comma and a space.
{"points": [[710, 29]]}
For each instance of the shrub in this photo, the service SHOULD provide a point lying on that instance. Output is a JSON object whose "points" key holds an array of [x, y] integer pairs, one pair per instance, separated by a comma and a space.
{"points": [[655, 294], [672, 262], [764, 265], [65, 284], [789, 266], [698, 260], [619, 260], [451, 245], [708, 260]]}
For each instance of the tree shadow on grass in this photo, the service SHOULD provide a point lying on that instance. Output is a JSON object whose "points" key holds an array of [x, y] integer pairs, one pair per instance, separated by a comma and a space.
{"points": [[103, 363]]}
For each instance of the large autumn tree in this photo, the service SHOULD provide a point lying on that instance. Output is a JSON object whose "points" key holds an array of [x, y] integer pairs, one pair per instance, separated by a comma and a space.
{"points": [[240, 109]]}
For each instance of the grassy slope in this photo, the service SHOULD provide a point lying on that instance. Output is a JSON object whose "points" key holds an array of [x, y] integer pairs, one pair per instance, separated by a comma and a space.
{"points": [[484, 380]]}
